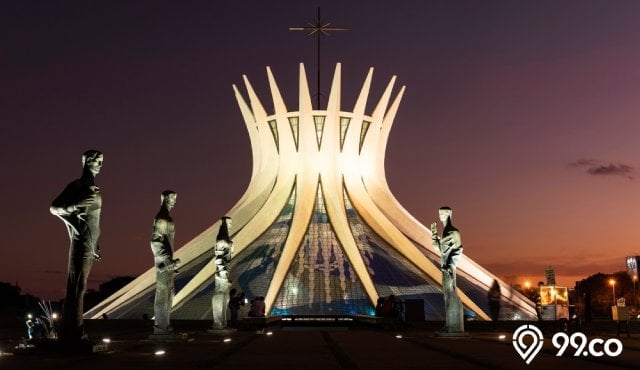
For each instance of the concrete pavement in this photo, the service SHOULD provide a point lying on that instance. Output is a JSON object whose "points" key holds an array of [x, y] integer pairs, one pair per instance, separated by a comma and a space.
{"points": [[354, 347]]}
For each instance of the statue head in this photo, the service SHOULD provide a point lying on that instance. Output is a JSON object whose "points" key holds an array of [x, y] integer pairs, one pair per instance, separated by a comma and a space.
{"points": [[92, 160], [225, 226], [445, 214], [168, 198]]}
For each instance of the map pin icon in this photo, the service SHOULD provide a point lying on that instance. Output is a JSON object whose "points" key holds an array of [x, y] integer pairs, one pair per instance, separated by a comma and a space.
{"points": [[527, 351]]}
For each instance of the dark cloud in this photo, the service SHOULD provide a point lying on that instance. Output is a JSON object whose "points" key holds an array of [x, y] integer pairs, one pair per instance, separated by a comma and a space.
{"points": [[584, 162], [612, 169], [596, 167]]}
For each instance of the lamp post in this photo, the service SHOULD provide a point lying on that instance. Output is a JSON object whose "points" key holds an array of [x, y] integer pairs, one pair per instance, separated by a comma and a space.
{"points": [[527, 289], [635, 278], [613, 290]]}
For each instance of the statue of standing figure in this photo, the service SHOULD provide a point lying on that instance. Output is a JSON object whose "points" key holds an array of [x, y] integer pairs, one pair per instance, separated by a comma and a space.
{"points": [[450, 247], [222, 256], [78, 206], [166, 267]]}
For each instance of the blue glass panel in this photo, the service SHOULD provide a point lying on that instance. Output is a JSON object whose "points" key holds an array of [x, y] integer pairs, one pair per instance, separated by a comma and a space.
{"points": [[136, 307], [391, 272], [251, 269]]}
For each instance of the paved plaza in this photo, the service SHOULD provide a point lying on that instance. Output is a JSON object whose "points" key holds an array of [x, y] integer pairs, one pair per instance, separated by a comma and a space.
{"points": [[354, 347]]}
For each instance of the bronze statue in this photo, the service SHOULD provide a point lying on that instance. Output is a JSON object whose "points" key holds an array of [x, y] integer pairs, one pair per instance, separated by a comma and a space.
{"points": [[222, 256], [450, 247], [166, 267], [78, 206]]}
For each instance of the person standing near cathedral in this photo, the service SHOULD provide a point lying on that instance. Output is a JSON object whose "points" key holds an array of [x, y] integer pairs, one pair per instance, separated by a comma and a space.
{"points": [[494, 296]]}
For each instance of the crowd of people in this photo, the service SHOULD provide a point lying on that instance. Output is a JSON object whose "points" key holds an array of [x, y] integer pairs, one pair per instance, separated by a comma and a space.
{"points": [[392, 307], [238, 299], [257, 307]]}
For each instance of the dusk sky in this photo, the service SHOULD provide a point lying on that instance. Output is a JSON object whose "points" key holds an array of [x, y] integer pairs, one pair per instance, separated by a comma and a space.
{"points": [[522, 116]]}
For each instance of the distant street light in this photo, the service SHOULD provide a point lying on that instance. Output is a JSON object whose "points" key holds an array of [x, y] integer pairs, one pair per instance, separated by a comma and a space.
{"points": [[612, 282]]}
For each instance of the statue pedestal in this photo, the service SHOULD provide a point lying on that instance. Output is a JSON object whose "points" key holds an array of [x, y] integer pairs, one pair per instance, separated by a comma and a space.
{"points": [[224, 331], [455, 334], [169, 337]]}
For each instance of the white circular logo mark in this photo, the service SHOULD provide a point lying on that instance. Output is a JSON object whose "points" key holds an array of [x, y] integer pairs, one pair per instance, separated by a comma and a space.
{"points": [[527, 352]]}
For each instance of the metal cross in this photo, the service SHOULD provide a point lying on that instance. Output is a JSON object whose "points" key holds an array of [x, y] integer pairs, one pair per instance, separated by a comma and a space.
{"points": [[318, 29]]}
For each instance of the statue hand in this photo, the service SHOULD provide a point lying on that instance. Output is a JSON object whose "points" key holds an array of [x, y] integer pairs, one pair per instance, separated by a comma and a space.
{"points": [[88, 201], [447, 269], [174, 265], [96, 253], [452, 239], [81, 208], [81, 216], [171, 264]]}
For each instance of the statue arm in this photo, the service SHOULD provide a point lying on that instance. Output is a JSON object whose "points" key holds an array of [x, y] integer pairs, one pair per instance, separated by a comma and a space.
{"points": [[452, 240], [159, 243], [222, 256], [228, 253], [162, 245], [63, 211], [73, 201], [65, 205], [435, 239], [451, 247]]}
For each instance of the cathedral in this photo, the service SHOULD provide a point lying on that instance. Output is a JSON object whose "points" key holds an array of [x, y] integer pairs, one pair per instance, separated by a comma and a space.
{"points": [[318, 231]]}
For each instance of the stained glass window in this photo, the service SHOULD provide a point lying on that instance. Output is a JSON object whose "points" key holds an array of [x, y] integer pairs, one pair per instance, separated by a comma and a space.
{"points": [[293, 122], [320, 280], [319, 122]]}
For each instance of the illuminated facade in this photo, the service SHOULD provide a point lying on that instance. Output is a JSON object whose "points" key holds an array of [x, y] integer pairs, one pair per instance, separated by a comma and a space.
{"points": [[318, 231]]}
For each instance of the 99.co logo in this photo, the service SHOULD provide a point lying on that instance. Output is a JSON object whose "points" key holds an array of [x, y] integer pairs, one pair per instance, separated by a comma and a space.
{"points": [[582, 346], [596, 347]]}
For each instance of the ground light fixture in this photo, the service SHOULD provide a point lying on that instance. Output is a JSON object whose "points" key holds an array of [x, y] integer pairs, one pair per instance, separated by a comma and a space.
{"points": [[227, 340], [159, 352]]}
